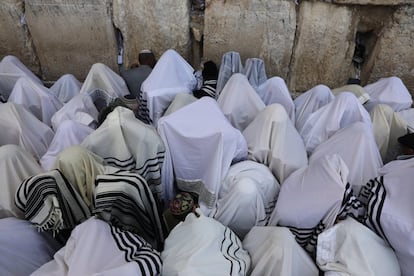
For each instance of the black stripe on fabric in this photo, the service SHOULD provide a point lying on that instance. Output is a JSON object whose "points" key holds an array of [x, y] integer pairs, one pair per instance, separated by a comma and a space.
{"points": [[224, 251]]}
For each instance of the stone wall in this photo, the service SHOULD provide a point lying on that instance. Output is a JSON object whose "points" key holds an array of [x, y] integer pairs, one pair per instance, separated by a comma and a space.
{"points": [[306, 43]]}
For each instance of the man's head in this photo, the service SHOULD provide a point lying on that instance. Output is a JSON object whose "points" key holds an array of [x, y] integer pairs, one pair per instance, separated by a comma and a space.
{"points": [[407, 143], [146, 57], [210, 71]]}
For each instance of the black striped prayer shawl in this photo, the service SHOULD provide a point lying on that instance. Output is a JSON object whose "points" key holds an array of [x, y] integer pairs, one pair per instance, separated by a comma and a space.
{"points": [[124, 200], [50, 202]]}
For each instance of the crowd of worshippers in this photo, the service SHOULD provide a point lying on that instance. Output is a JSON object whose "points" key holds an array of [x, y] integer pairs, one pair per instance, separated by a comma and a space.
{"points": [[167, 170]]}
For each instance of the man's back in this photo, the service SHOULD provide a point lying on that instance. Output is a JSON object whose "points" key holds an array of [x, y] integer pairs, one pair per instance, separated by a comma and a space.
{"points": [[134, 77]]}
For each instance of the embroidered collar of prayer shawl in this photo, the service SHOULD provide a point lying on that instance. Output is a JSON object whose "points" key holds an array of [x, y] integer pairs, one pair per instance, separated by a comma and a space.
{"points": [[124, 200], [50, 202]]}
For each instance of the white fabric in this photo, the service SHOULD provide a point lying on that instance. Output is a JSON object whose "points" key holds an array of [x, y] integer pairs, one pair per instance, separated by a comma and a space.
{"points": [[103, 78], [357, 147], [273, 141], [310, 101], [275, 90], [180, 100], [408, 116], [66, 87], [300, 203], [239, 101], [247, 197], [95, 248], [255, 71], [230, 64], [24, 129], [274, 251], [350, 248], [200, 145], [68, 133], [203, 246], [79, 109], [356, 89], [344, 110], [388, 126], [11, 69], [39, 100], [171, 75], [391, 91], [22, 248], [15, 166]]}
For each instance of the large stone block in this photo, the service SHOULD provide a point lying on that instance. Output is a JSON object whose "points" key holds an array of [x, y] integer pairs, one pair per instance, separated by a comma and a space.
{"points": [[14, 36], [324, 48], [155, 25], [254, 28], [71, 35], [372, 2]]}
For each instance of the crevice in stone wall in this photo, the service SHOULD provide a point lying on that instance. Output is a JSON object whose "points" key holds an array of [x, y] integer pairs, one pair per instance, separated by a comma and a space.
{"points": [[290, 80], [197, 32]]}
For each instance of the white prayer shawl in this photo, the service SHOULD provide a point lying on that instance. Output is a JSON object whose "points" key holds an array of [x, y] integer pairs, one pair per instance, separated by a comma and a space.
{"points": [[344, 110], [127, 143], [69, 133], [22, 248], [275, 90], [171, 75], [389, 211], [311, 101], [15, 166], [388, 126], [356, 146], [356, 89], [247, 197], [36, 98], [11, 69], [79, 109], [200, 147], [180, 100], [239, 101], [274, 251], [408, 116], [203, 246], [66, 87], [103, 78], [391, 91], [230, 64], [24, 129], [96, 248], [255, 71], [396, 165], [273, 141], [351, 248]]}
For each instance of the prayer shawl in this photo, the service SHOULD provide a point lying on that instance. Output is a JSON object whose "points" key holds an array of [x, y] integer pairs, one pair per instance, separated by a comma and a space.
{"points": [[36, 98], [127, 143], [96, 248], [388, 126], [311, 214], [200, 147], [124, 200], [180, 100], [230, 64], [274, 251], [311, 101], [12, 69], [16, 165], [69, 133], [408, 116], [274, 90], [391, 91], [388, 199], [356, 146], [247, 197], [66, 87], [102, 77], [207, 89], [23, 249], [24, 129], [344, 110], [50, 202], [239, 101], [358, 91], [255, 71], [203, 246], [171, 75], [273, 141], [350, 248]]}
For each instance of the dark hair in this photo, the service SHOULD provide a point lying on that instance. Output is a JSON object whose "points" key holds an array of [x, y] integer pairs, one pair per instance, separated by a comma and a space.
{"points": [[210, 71], [147, 59], [108, 109]]}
